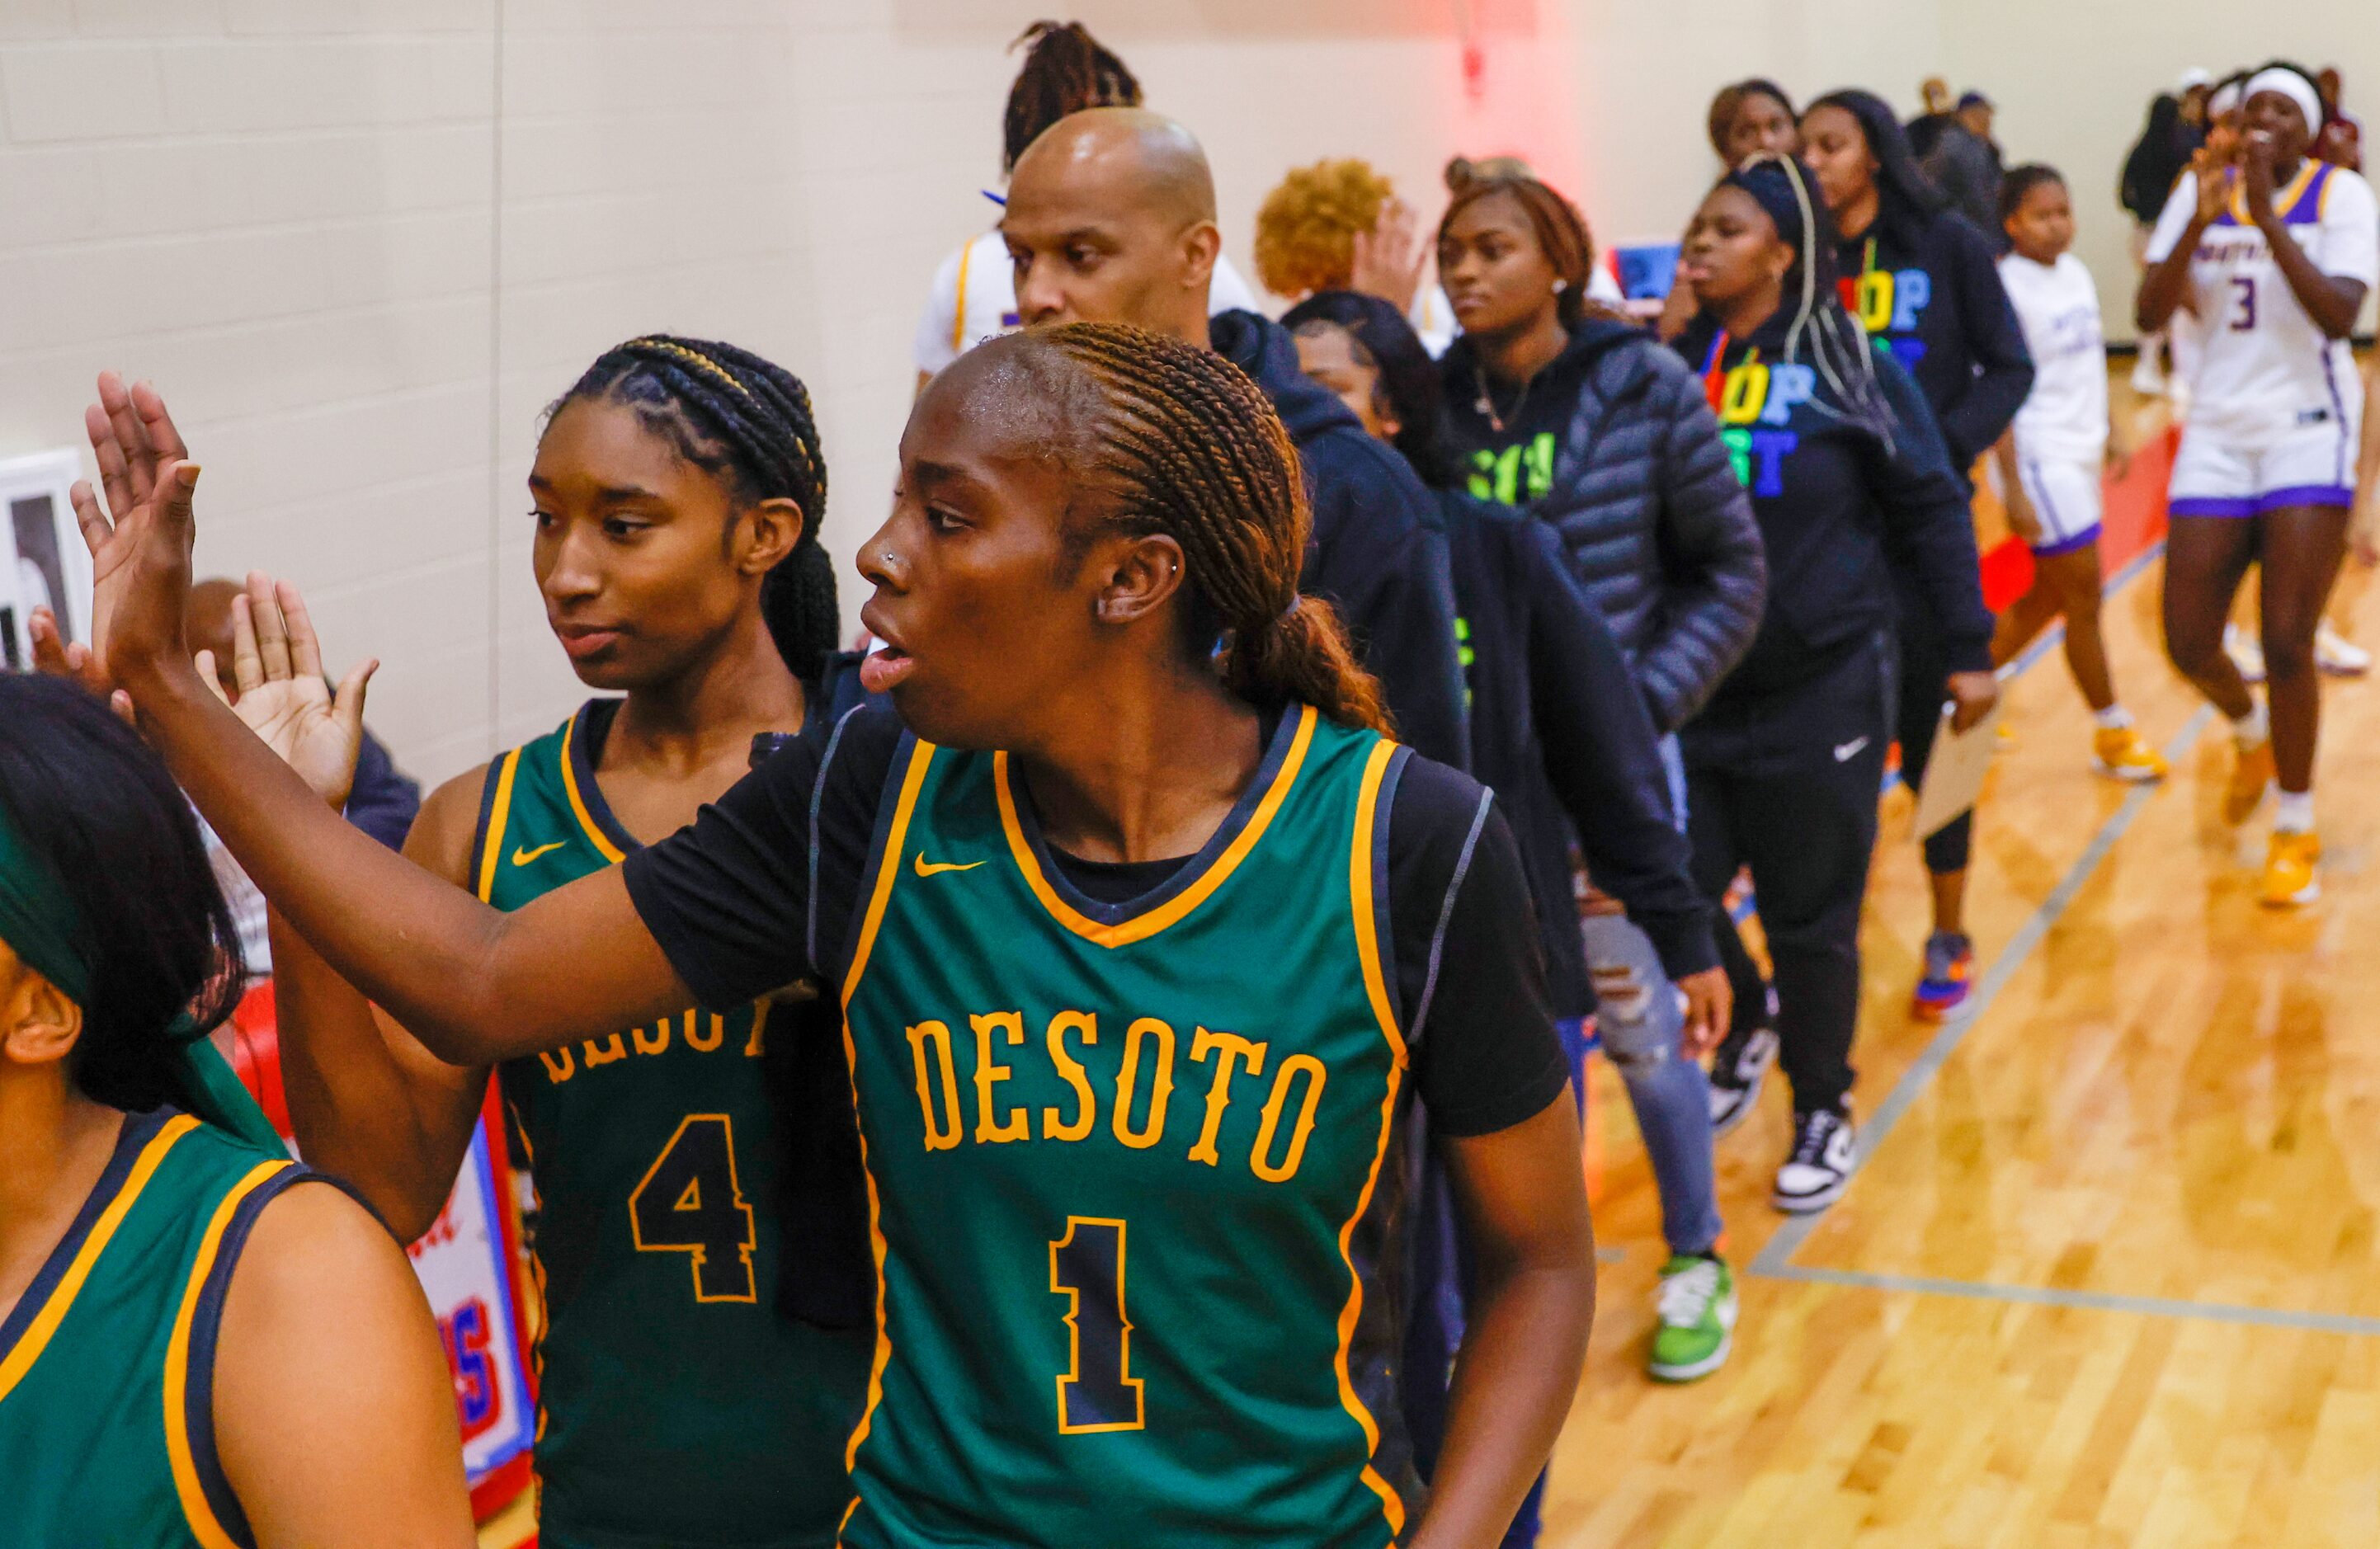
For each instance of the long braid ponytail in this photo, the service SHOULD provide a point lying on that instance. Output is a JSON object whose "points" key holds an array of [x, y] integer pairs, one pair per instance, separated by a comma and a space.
{"points": [[1182, 444], [748, 419], [1065, 70]]}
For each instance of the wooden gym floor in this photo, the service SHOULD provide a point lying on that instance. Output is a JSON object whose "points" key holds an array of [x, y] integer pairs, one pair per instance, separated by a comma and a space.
{"points": [[2107, 1277]]}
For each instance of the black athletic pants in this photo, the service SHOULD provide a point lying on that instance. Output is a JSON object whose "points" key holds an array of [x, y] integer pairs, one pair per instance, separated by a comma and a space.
{"points": [[1786, 785]]}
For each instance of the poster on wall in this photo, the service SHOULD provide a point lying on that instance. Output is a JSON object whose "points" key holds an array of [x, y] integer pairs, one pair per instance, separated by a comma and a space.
{"points": [[463, 1264], [42, 562]]}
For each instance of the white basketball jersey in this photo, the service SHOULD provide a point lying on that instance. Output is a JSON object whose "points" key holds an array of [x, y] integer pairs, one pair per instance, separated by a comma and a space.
{"points": [[2267, 368], [974, 298], [2065, 416]]}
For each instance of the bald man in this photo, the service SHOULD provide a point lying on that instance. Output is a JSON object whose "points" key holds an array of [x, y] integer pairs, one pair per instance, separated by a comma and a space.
{"points": [[1111, 218]]}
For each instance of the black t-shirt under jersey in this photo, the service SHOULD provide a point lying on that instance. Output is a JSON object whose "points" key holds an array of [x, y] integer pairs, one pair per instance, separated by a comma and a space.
{"points": [[763, 890]]}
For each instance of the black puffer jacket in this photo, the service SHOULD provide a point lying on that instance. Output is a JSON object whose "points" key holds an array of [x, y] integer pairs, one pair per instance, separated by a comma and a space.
{"points": [[1614, 445]]}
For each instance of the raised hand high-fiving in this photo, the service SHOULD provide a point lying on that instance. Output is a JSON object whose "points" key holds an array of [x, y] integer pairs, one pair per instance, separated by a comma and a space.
{"points": [[139, 543], [277, 667]]}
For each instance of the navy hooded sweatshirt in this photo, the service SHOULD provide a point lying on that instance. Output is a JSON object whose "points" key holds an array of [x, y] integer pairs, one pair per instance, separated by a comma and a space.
{"points": [[1843, 515], [1560, 734], [1375, 554], [1927, 286]]}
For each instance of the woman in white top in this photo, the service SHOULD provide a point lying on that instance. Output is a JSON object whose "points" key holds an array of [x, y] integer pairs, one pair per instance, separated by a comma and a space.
{"points": [[974, 298], [2277, 254], [2050, 459]]}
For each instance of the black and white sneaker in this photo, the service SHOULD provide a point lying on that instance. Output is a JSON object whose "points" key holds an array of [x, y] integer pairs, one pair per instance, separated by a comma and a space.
{"points": [[1824, 1151], [1736, 1070]]}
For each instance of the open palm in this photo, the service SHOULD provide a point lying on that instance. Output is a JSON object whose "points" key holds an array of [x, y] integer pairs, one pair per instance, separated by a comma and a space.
{"points": [[277, 666], [142, 535]]}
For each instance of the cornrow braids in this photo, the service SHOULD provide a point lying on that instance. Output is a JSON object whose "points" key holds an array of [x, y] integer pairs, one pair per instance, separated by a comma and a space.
{"points": [[1065, 70], [749, 421], [1183, 444]]}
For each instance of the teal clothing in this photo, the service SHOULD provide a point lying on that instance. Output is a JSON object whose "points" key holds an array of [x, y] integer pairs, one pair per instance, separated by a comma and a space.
{"points": [[1131, 1170], [677, 1404], [107, 1360]]}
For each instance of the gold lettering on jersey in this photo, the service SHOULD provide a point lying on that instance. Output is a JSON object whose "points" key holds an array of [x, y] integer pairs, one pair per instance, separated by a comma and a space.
{"points": [[1258, 1158], [942, 1132], [1070, 1070], [1230, 1051], [560, 1066], [1152, 1129], [990, 1072]]}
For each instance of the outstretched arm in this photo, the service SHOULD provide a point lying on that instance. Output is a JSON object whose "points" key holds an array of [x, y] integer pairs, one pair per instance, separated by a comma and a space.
{"points": [[368, 1103], [476, 986]]}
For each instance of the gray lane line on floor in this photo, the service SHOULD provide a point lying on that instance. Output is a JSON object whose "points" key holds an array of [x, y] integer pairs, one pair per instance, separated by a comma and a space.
{"points": [[1775, 1257], [2101, 1301]]}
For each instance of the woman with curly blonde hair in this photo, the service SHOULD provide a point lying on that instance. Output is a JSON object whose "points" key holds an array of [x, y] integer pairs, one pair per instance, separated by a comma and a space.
{"points": [[1308, 227]]}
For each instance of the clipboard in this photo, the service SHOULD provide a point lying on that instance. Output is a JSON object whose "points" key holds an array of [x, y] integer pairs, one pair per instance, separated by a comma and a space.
{"points": [[1954, 775]]}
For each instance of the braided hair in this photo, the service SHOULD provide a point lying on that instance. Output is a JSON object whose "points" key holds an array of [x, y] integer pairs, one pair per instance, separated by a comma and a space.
{"points": [[1065, 70], [1182, 442], [747, 421], [1561, 231]]}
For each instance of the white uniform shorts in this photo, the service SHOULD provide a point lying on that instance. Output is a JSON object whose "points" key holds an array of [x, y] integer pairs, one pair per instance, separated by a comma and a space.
{"points": [[2065, 495], [2216, 474]]}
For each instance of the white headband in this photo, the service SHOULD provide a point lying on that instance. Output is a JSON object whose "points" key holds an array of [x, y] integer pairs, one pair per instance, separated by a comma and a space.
{"points": [[2225, 100], [2290, 84]]}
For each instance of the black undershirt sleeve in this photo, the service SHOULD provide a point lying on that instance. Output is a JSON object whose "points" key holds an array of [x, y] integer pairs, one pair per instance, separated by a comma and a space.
{"points": [[1471, 973], [729, 896]]}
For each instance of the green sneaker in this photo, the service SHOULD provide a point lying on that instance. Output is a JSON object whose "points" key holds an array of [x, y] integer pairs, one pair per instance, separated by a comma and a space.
{"points": [[1698, 1312]]}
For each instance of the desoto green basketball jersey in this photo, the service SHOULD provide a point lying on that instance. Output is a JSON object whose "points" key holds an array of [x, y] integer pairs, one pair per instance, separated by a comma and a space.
{"points": [[1127, 1171], [677, 1405], [107, 1363]]}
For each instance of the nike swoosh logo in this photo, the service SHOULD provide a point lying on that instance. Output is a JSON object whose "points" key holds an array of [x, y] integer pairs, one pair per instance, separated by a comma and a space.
{"points": [[523, 857], [930, 868], [1844, 751]]}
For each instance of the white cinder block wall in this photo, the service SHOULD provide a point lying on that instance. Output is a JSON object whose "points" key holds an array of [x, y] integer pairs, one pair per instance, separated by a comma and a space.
{"points": [[361, 243]]}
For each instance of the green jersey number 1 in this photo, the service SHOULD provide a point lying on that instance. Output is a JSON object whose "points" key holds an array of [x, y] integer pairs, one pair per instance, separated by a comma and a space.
{"points": [[1097, 1391], [689, 1203]]}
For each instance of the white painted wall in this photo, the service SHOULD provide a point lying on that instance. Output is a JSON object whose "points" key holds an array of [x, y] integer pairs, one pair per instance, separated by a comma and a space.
{"points": [[361, 244]]}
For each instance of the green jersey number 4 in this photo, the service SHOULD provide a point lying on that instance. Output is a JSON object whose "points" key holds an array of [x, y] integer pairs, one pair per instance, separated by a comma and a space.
{"points": [[688, 1202]]}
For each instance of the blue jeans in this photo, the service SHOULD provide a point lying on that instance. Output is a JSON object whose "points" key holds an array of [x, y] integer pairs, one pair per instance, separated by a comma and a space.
{"points": [[1642, 1017], [1642, 1020]]}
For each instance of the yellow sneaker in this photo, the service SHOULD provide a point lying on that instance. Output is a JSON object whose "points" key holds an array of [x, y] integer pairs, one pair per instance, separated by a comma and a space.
{"points": [[2251, 773], [2289, 870], [2121, 752]]}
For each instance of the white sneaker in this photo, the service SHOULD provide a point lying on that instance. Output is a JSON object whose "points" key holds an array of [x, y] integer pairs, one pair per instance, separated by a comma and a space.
{"points": [[1737, 1070], [2338, 655], [1825, 1149], [2247, 653]]}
